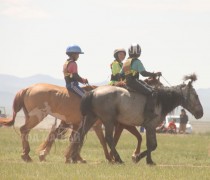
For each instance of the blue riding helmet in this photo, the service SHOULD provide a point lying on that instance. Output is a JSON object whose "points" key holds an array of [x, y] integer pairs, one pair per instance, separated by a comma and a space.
{"points": [[74, 49]]}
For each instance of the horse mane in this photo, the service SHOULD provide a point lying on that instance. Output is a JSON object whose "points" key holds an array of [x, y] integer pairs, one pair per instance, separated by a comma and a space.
{"points": [[169, 98], [192, 77]]}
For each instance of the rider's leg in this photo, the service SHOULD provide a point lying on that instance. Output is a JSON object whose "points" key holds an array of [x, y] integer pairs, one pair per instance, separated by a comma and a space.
{"points": [[74, 86], [151, 97]]}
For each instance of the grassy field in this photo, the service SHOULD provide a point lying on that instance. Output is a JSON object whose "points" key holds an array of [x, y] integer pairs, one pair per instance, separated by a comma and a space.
{"points": [[177, 157]]}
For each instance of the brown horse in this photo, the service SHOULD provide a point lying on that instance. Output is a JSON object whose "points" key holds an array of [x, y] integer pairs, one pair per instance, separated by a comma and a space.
{"points": [[40, 100]]}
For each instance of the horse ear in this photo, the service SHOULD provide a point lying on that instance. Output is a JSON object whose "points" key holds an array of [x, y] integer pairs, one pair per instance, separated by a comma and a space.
{"points": [[190, 83]]}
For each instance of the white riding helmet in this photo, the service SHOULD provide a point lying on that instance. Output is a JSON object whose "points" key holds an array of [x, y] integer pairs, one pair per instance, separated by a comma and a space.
{"points": [[134, 50], [116, 51]]}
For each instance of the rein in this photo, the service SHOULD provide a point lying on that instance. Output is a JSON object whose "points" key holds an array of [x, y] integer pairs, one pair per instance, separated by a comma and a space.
{"points": [[166, 80]]}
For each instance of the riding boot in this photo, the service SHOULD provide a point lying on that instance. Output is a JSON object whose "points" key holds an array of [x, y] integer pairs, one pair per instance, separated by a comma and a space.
{"points": [[149, 111]]}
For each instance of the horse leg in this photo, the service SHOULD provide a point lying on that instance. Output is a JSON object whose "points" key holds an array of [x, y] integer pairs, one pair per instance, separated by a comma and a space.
{"points": [[109, 128], [25, 129], [45, 147], [77, 139], [97, 127], [135, 132], [73, 133], [117, 133], [151, 144], [58, 132]]}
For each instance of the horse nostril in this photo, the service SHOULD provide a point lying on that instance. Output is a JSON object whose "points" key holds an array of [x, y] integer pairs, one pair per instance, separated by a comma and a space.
{"points": [[199, 114]]}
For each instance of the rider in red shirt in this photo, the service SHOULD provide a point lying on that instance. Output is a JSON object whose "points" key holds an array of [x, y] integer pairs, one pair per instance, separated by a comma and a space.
{"points": [[70, 71]]}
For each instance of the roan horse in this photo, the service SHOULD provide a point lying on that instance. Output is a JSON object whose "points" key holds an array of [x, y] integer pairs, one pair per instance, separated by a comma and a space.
{"points": [[115, 104]]}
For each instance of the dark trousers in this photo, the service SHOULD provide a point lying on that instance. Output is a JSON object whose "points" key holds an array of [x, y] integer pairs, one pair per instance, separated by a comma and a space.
{"points": [[139, 86]]}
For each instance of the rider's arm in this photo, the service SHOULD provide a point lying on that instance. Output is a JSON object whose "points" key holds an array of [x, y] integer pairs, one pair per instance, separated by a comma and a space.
{"points": [[77, 77], [139, 67], [72, 68], [147, 74]]}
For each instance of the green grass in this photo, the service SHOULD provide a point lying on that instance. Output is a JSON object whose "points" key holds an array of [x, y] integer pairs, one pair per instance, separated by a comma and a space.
{"points": [[177, 157]]}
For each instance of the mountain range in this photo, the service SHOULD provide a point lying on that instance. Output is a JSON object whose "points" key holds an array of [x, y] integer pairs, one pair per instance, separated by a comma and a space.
{"points": [[10, 85]]}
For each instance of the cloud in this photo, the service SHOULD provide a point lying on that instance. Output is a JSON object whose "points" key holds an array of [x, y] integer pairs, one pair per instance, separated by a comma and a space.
{"points": [[187, 6], [21, 9]]}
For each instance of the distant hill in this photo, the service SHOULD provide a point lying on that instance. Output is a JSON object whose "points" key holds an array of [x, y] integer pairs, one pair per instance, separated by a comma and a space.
{"points": [[204, 96], [13, 84], [9, 85]]}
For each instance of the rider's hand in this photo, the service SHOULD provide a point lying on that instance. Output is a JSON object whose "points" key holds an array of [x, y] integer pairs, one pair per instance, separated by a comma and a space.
{"points": [[84, 81], [158, 74]]}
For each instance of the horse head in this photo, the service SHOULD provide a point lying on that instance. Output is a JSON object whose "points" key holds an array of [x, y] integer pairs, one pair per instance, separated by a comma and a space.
{"points": [[191, 100]]}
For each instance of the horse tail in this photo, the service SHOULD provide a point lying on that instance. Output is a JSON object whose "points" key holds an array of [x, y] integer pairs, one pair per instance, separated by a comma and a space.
{"points": [[86, 103], [18, 104]]}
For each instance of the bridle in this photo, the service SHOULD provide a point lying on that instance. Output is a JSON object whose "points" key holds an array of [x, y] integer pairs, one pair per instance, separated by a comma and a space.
{"points": [[185, 98]]}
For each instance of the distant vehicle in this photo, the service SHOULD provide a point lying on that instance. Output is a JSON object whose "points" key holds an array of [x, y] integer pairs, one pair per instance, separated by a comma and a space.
{"points": [[3, 112], [169, 118]]}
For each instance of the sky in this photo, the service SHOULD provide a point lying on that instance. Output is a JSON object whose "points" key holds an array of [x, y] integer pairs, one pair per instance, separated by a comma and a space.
{"points": [[174, 36]]}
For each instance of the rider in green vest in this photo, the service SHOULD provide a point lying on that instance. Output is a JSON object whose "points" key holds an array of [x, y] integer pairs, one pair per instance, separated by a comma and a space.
{"points": [[131, 70], [116, 66]]}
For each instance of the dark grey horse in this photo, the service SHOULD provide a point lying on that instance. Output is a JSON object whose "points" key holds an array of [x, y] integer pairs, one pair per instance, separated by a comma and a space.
{"points": [[114, 104]]}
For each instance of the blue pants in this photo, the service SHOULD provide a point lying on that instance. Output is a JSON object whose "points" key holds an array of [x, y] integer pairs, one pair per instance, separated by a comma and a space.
{"points": [[74, 86]]}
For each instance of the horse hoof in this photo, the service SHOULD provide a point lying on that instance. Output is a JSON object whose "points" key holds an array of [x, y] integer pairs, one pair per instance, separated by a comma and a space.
{"points": [[111, 162], [26, 158], [151, 163], [109, 158], [83, 161], [134, 158], [70, 161], [42, 158], [119, 162]]}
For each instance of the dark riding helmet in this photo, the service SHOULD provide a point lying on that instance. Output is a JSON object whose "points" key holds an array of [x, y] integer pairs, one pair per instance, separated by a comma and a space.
{"points": [[134, 50], [116, 51]]}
